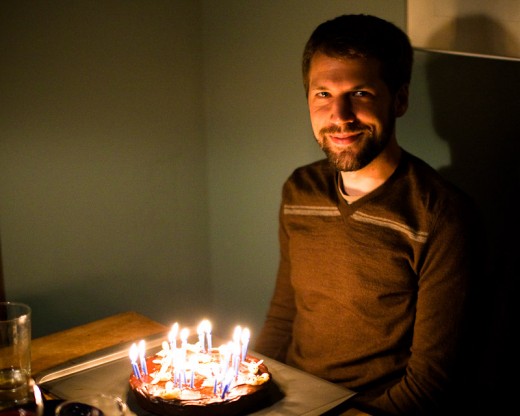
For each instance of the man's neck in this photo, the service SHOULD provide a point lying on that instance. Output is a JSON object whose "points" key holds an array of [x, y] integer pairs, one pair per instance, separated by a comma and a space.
{"points": [[365, 180]]}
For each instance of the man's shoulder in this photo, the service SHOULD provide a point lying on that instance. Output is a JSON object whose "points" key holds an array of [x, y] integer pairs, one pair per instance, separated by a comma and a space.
{"points": [[426, 180], [313, 179], [320, 167]]}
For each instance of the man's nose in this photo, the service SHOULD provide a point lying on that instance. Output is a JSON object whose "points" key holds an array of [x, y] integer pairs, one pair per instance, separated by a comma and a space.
{"points": [[342, 110]]}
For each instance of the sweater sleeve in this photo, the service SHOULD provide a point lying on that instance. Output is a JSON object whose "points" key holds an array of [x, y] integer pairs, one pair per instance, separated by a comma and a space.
{"points": [[447, 272]]}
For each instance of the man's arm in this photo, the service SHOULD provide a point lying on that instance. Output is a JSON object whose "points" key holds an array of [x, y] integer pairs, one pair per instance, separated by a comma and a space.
{"points": [[445, 278]]}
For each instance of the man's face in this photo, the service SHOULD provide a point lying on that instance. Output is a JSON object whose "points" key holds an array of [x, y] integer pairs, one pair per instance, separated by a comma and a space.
{"points": [[351, 109]]}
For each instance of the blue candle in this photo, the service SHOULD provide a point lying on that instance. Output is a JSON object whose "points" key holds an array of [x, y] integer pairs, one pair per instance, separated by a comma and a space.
{"points": [[236, 364], [142, 354], [227, 382], [224, 391], [136, 370], [133, 358], [236, 349], [245, 342]]}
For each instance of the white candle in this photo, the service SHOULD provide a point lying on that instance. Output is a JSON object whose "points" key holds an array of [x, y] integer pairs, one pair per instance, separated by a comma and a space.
{"points": [[172, 336], [185, 332], [225, 356], [177, 358], [208, 335], [205, 331], [200, 332]]}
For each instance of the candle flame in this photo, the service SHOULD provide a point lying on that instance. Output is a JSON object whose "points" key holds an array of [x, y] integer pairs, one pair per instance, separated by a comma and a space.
{"points": [[184, 334], [134, 353], [204, 326], [246, 334], [173, 333], [142, 348], [236, 333]]}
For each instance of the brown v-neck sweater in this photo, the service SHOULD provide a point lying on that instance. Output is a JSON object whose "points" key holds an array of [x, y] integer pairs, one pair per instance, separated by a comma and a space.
{"points": [[372, 294]]}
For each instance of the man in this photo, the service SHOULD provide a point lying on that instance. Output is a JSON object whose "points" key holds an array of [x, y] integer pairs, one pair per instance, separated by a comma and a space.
{"points": [[376, 248]]}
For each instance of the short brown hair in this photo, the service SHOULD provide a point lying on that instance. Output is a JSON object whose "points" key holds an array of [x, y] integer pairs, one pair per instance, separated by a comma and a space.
{"points": [[363, 36]]}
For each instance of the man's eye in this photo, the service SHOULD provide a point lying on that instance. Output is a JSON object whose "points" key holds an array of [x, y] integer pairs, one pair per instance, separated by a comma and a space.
{"points": [[322, 94], [360, 94]]}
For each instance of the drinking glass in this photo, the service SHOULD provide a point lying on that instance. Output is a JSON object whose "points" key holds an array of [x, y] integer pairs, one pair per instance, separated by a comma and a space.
{"points": [[16, 387]]}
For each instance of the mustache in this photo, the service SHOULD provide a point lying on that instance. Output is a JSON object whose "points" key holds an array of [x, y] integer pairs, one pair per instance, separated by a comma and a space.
{"points": [[345, 128]]}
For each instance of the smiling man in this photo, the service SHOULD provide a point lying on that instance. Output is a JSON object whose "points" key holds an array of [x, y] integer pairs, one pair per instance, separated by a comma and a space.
{"points": [[377, 251]]}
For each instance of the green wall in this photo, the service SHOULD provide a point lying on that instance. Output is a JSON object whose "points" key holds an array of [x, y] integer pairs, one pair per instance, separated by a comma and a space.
{"points": [[143, 146]]}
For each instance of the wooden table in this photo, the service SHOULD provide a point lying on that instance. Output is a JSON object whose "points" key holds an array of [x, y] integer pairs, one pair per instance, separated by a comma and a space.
{"points": [[51, 350], [54, 349]]}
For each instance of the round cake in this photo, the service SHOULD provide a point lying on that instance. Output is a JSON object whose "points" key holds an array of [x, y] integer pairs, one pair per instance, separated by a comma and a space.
{"points": [[191, 381]]}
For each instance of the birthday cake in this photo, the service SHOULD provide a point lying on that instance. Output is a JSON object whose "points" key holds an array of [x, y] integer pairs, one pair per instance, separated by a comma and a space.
{"points": [[199, 380]]}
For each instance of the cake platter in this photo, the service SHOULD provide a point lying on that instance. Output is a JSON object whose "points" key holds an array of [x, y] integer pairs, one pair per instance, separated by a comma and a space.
{"points": [[108, 370]]}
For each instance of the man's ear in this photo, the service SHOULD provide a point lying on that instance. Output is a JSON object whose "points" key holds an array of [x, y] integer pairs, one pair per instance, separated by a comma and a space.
{"points": [[401, 101]]}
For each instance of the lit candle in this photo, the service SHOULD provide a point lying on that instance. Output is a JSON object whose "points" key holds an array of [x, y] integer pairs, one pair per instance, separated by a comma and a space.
{"points": [[184, 337], [134, 353], [200, 332], [184, 342], [225, 356], [193, 364], [227, 383], [236, 358], [177, 360], [245, 342], [208, 335], [172, 336], [215, 374], [204, 331], [236, 334], [236, 349], [142, 355]]}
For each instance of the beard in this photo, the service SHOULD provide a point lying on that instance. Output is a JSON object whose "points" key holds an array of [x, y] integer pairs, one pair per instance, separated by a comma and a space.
{"points": [[359, 154]]}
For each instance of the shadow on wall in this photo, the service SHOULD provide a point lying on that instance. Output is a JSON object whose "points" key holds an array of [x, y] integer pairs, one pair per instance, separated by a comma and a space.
{"points": [[475, 111], [475, 34]]}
